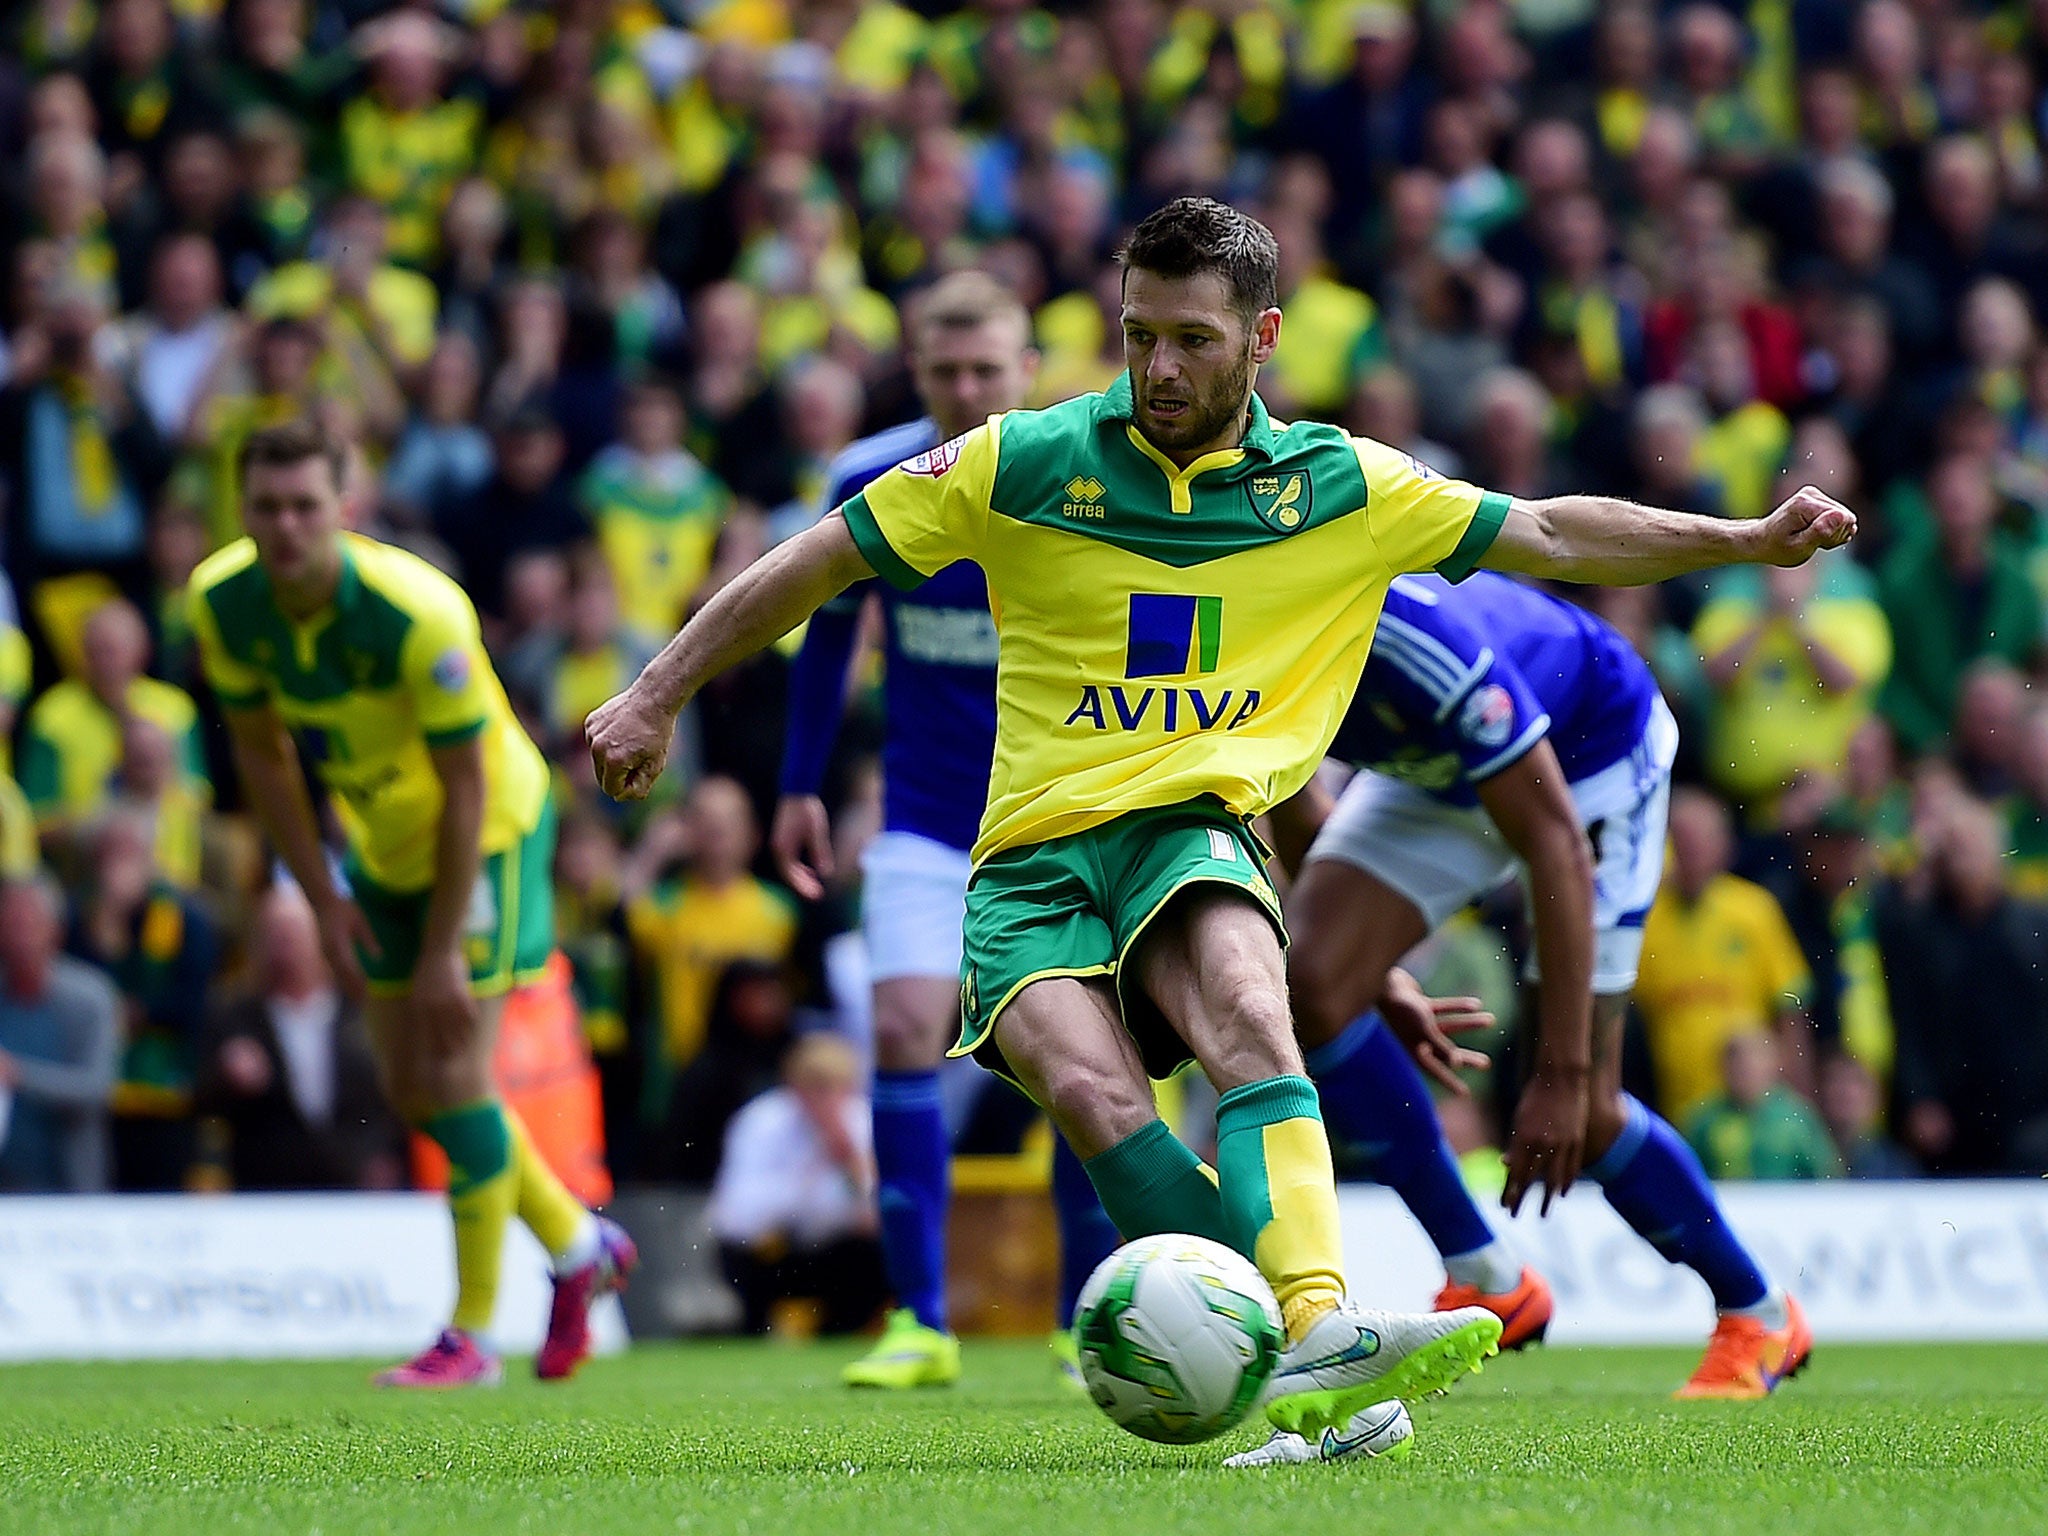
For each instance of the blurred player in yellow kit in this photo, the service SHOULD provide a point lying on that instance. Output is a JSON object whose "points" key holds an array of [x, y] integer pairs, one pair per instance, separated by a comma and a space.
{"points": [[366, 663]]}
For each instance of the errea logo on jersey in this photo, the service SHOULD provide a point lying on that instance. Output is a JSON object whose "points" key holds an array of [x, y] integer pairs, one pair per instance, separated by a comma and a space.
{"points": [[1084, 497]]}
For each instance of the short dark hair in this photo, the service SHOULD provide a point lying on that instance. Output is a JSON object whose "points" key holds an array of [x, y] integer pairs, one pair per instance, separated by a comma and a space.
{"points": [[1191, 235], [292, 442]]}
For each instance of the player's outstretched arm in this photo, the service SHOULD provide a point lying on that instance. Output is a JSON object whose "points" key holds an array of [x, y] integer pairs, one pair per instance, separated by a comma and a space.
{"points": [[629, 735], [1600, 541]]}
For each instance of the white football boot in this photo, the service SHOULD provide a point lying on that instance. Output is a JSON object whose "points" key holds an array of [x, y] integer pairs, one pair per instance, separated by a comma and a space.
{"points": [[1384, 1429], [1354, 1356]]}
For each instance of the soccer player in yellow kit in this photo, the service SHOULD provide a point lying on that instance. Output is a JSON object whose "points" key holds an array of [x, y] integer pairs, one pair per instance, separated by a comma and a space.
{"points": [[1184, 591], [366, 661]]}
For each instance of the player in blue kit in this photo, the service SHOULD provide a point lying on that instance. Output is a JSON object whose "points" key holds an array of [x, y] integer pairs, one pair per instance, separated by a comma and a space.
{"points": [[971, 358], [1501, 731]]}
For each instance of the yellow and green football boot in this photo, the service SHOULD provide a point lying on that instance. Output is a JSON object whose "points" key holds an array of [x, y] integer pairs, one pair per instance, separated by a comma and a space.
{"points": [[908, 1354]]}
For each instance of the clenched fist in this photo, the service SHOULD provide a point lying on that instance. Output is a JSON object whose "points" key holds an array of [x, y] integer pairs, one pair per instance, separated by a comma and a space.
{"points": [[1805, 523], [629, 741]]}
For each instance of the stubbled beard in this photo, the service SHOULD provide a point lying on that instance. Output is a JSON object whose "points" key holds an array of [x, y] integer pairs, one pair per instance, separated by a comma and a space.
{"points": [[1210, 414]]}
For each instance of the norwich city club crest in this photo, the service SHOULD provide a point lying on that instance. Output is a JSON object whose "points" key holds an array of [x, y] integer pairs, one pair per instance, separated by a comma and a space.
{"points": [[1282, 501]]}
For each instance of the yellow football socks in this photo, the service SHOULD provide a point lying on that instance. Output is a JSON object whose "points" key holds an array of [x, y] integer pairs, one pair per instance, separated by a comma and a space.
{"points": [[550, 1212], [483, 1189], [1280, 1194]]}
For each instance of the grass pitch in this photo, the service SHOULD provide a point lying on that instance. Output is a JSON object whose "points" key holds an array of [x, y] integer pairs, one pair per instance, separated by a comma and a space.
{"points": [[761, 1439]]}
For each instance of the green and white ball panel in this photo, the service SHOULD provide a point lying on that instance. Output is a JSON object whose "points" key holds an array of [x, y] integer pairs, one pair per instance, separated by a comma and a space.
{"points": [[1177, 1336]]}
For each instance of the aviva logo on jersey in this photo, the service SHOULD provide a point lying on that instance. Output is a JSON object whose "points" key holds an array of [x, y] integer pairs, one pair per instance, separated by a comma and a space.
{"points": [[1170, 636], [1173, 636]]}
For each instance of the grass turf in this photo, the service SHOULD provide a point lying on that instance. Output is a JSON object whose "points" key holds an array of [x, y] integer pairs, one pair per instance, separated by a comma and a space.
{"points": [[761, 1439]]}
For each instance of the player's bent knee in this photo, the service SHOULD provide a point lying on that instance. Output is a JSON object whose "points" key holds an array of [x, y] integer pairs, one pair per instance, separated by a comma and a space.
{"points": [[1096, 1109], [1251, 1034], [916, 1018]]}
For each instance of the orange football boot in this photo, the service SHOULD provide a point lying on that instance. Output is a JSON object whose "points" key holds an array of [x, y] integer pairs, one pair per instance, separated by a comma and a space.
{"points": [[1744, 1359], [1524, 1312]]}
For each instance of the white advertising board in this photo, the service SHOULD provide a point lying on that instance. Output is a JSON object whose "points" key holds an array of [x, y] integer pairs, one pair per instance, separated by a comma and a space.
{"points": [[1923, 1260], [253, 1276], [339, 1276]]}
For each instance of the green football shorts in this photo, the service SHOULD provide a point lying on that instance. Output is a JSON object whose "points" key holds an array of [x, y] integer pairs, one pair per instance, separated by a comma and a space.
{"points": [[508, 931], [1077, 906]]}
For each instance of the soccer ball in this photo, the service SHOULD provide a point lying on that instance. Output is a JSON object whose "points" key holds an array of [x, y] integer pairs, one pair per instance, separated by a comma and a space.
{"points": [[1177, 1335]]}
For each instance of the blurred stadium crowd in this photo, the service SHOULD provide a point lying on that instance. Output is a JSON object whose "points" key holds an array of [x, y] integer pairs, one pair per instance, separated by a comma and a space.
{"points": [[599, 288]]}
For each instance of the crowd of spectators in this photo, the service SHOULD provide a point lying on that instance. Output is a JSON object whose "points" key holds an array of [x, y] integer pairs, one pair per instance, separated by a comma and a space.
{"points": [[598, 288]]}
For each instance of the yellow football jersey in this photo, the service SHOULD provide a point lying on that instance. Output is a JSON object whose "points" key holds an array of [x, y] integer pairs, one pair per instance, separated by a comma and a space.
{"points": [[394, 667], [1166, 633]]}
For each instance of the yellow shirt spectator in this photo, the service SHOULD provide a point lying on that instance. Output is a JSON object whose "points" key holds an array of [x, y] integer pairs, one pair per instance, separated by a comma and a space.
{"points": [[686, 932], [1795, 674], [798, 324], [404, 303], [1080, 352], [658, 518], [1712, 968], [19, 855], [409, 162], [1332, 332], [71, 744], [1743, 452], [1258, 39], [880, 48]]}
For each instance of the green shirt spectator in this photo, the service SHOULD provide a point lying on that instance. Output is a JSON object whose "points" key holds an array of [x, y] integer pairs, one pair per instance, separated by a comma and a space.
{"points": [[1756, 1128], [1955, 598]]}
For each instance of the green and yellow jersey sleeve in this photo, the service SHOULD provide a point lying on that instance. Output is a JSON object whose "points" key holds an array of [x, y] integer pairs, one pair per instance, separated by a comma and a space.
{"points": [[928, 511], [442, 667], [1422, 521]]}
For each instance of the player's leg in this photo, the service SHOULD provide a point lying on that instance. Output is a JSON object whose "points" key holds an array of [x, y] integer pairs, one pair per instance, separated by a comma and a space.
{"points": [[1212, 964], [1037, 1005], [913, 900], [1086, 1238], [1389, 865], [915, 1019], [1656, 1184], [1649, 1175], [443, 1089], [512, 941], [1064, 1042], [1209, 958]]}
